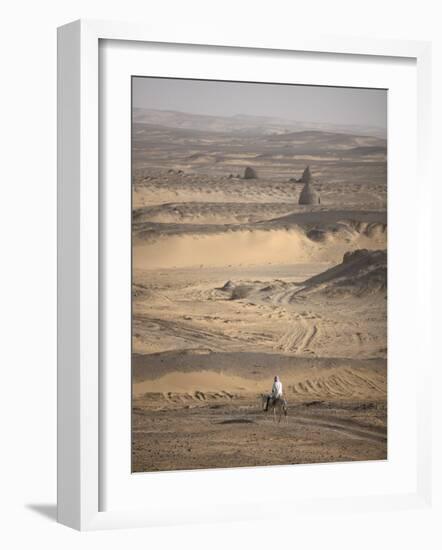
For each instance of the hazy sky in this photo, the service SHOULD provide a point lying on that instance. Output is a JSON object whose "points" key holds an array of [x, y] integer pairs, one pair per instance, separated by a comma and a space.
{"points": [[359, 106]]}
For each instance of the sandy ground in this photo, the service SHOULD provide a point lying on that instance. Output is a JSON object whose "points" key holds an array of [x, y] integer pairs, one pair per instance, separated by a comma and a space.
{"points": [[233, 433], [233, 282]]}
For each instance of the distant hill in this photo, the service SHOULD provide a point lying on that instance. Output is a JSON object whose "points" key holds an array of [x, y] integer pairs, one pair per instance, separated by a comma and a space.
{"points": [[245, 123]]}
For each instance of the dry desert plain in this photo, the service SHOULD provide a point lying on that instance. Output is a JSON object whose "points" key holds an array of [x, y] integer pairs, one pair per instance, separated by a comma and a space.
{"points": [[235, 282]]}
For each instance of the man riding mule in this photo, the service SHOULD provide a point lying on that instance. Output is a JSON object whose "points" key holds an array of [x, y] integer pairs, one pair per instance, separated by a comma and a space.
{"points": [[276, 392], [275, 400]]}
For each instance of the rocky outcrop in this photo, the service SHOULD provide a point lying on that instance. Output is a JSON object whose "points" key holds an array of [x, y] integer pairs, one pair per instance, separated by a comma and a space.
{"points": [[309, 195], [306, 176], [361, 273], [250, 173]]}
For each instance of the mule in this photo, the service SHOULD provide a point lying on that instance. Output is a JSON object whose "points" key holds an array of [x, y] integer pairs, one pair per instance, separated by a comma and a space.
{"points": [[279, 406]]}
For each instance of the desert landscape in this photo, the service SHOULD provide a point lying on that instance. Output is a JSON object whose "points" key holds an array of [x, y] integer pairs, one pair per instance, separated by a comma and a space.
{"points": [[234, 282]]}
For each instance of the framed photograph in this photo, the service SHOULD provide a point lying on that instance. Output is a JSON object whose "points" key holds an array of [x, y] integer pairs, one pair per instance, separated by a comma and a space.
{"points": [[259, 274], [232, 314]]}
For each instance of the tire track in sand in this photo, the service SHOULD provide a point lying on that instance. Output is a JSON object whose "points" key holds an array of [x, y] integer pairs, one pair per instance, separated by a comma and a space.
{"points": [[298, 337], [347, 428]]}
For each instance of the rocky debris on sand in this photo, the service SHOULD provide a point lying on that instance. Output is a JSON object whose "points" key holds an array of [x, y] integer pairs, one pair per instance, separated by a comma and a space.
{"points": [[228, 286]]}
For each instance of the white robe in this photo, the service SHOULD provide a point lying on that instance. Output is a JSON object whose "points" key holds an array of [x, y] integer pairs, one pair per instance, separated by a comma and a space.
{"points": [[276, 389]]}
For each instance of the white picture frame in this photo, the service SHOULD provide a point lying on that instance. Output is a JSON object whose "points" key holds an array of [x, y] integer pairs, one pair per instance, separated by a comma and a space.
{"points": [[80, 394]]}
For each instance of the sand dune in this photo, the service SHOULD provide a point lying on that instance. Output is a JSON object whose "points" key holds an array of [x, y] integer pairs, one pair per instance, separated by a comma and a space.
{"points": [[209, 376], [223, 249], [207, 385], [252, 246], [210, 213]]}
